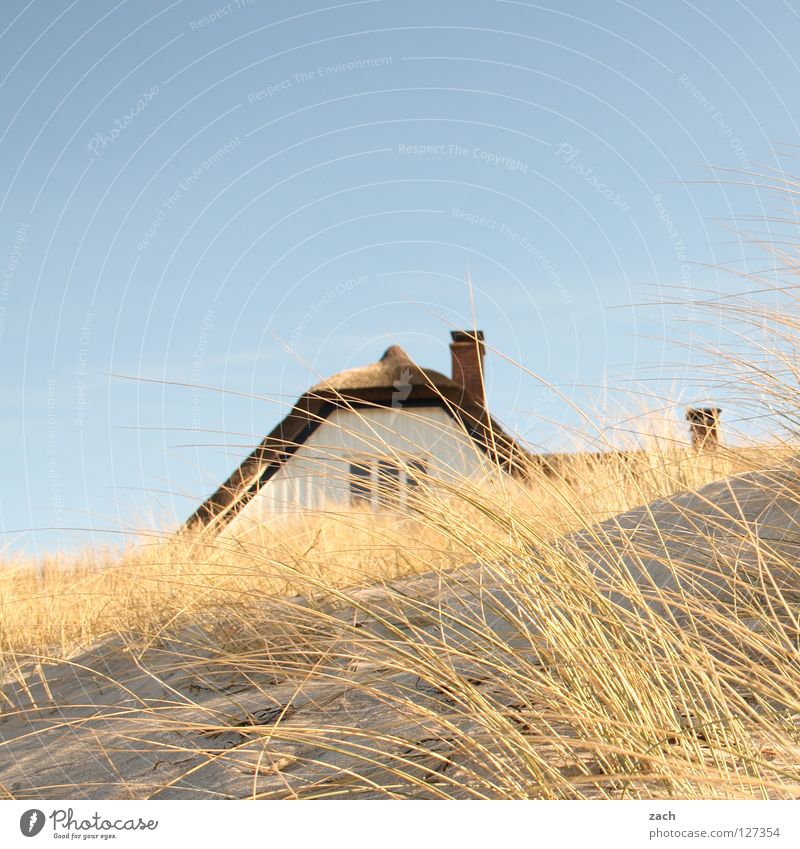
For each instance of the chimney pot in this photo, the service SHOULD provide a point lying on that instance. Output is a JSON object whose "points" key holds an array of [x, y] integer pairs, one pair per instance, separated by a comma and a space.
{"points": [[468, 350], [704, 427]]}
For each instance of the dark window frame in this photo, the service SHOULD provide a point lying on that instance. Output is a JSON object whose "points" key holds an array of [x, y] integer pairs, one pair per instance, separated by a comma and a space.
{"points": [[383, 482]]}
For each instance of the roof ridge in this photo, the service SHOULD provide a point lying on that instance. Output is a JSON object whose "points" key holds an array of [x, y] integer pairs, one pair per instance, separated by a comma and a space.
{"points": [[394, 353]]}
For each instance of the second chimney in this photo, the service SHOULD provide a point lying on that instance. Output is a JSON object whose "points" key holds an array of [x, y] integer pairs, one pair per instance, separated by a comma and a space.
{"points": [[704, 427], [467, 350]]}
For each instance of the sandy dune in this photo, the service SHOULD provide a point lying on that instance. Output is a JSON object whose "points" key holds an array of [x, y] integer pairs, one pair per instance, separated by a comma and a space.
{"points": [[125, 721]]}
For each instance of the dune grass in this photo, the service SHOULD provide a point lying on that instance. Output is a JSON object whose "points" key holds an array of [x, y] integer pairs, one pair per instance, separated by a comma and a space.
{"points": [[60, 604], [491, 658]]}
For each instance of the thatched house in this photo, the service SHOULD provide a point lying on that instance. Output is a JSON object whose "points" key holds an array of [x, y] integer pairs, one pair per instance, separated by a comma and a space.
{"points": [[367, 436]]}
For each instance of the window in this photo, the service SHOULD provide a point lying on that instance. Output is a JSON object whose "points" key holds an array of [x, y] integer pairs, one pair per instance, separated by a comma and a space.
{"points": [[415, 472], [384, 483], [389, 477], [360, 484]]}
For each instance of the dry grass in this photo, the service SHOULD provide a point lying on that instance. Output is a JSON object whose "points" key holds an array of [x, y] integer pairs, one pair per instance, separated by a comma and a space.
{"points": [[58, 605], [500, 639], [347, 654]]}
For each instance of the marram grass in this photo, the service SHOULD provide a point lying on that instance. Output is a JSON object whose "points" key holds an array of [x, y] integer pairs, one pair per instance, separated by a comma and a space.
{"points": [[456, 650]]}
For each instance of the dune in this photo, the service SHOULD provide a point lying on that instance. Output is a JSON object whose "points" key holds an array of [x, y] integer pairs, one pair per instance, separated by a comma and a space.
{"points": [[373, 709]]}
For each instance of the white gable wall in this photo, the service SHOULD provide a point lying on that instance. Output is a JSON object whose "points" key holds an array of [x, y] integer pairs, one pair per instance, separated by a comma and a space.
{"points": [[317, 474]]}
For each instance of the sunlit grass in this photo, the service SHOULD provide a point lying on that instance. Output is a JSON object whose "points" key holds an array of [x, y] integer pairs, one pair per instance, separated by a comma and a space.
{"points": [[58, 604], [492, 639], [529, 679]]}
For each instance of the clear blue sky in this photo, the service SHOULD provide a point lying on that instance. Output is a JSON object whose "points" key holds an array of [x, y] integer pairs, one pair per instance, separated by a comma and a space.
{"points": [[187, 188]]}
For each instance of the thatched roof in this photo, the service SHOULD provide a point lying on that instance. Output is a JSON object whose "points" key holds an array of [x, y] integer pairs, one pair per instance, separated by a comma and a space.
{"points": [[380, 375], [396, 381]]}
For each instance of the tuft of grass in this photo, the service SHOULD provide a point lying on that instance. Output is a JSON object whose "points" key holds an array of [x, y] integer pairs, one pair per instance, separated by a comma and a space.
{"points": [[60, 604], [489, 641]]}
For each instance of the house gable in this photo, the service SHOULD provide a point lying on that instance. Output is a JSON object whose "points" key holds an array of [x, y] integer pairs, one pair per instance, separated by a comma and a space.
{"points": [[396, 383]]}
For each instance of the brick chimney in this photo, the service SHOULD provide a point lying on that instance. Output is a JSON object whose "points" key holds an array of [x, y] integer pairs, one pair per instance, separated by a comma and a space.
{"points": [[468, 350], [704, 427]]}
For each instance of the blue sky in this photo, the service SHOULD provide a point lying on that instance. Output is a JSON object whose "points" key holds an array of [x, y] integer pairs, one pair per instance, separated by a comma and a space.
{"points": [[188, 189]]}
